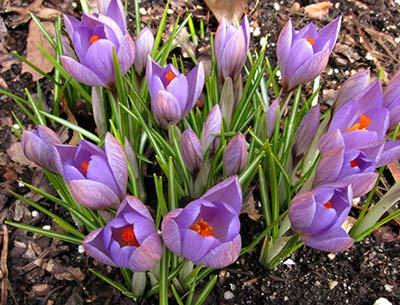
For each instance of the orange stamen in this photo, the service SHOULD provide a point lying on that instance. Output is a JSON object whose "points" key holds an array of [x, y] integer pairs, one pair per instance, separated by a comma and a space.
{"points": [[311, 40], [85, 166], [364, 122], [170, 76], [94, 38], [354, 163], [328, 205], [128, 237], [203, 228]]}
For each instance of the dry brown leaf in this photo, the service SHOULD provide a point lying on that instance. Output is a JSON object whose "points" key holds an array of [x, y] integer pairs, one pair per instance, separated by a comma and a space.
{"points": [[395, 170], [228, 9], [318, 10], [3, 83], [249, 207], [17, 155], [35, 37]]}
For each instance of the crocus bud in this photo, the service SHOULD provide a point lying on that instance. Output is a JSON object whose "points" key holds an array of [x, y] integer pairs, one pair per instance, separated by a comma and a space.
{"points": [[130, 240], [97, 178], [392, 100], [143, 47], [207, 230], [235, 155], [272, 113], [306, 132], [303, 55], [172, 93], [94, 39], [231, 48], [212, 127], [192, 153], [318, 215], [38, 146]]}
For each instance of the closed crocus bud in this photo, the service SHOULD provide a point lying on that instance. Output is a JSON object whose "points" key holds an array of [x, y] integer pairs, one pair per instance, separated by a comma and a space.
{"points": [[172, 93], [303, 55], [97, 178], [130, 240], [392, 100], [211, 128], [318, 215], [94, 38], [272, 117], [206, 231], [231, 48], [38, 146], [192, 153], [235, 155], [306, 132], [143, 47]]}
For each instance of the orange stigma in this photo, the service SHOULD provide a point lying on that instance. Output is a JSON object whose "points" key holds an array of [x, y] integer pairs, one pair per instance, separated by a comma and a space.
{"points": [[328, 205], [364, 122], [128, 237], [203, 228], [354, 163], [85, 166], [170, 76], [94, 38], [311, 40]]}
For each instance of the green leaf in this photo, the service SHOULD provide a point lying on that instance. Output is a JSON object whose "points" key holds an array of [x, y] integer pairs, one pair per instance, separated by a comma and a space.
{"points": [[206, 290]]}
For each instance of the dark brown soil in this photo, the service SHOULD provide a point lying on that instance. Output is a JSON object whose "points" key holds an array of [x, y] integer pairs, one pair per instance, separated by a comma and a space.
{"points": [[48, 272]]}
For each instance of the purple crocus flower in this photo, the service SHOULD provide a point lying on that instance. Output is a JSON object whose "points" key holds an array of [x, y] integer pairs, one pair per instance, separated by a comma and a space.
{"points": [[38, 146], [303, 55], [192, 152], [211, 128], [392, 100], [206, 231], [231, 48], [172, 93], [143, 47], [318, 215], [130, 240], [94, 38], [97, 178], [235, 155]]}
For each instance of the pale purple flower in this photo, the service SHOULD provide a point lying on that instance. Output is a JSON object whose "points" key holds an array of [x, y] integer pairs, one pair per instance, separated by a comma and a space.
{"points": [[173, 95], [392, 100], [97, 178], [235, 155], [207, 230], [143, 46], [303, 55], [192, 152], [318, 215], [231, 48], [272, 116], [130, 240], [211, 128], [94, 38]]}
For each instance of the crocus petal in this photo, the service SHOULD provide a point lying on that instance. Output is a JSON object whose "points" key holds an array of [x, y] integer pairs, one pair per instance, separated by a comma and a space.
{"points": [[72, 173], [195, 80], [98, 170], [390, 154], [143, 46], [372, 98], [147, 255], [126, 53], [331, 141], [117, 161], [361, 184], [94, 247], [71, 24], [171, 233], [284, 45], [93, 195], [334, 240], [302, 211], [152, 68], [300, 52], [272, 117], [329, 167], [115, 10], [306, 131], [394, 116], [131, 204], [224, 255], [327, 36], [228, 191], [195, 246], [211, 128], [81, 73], [166, 108], [179, 88], [235, 155], [192, 152]]}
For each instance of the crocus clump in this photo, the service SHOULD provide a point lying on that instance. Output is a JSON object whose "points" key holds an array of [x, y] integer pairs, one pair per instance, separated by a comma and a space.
{"points": [[235, 155], [94, 39], [303, 55], [318, 216], [143, 45], [97, 178], [130, 240], [38, 147], [206, 231], [231, 48], [172, 93]]}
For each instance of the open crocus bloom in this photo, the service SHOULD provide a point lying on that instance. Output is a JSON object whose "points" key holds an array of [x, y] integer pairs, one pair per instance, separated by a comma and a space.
{"points": [[94, 38], [130, 240], [303, 55], [206, 231], [172, 93], [318, 216], [97, 178]]}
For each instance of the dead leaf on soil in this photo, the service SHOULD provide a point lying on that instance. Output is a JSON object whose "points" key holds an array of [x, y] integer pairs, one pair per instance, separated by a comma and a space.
{"points": [[17, 155], [395, 170], [35, 37], [249, 207], [229, 9], [318, 10]]}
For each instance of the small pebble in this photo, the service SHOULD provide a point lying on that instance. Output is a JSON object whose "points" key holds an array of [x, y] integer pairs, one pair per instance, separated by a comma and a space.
{"points": [[81, 250], [228, 295], [388, 288], [382, 301], [289, 262], [277, 7], [143, 11], [332, 284], [257, 32], [369, 56], [35, 214], [331, 256], [16, 127], [46, 227]]}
